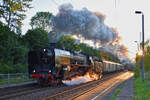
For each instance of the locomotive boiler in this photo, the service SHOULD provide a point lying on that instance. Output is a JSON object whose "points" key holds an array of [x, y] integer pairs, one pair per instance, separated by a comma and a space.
{"points": [[51, 65]]}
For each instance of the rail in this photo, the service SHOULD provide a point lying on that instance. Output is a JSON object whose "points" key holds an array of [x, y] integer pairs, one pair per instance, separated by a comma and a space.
{"points": [[81, 89]]}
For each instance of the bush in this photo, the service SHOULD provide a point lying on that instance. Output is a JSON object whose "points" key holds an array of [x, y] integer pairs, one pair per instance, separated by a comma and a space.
{"points": [[4, 69], [18, 68], [136, 72]]}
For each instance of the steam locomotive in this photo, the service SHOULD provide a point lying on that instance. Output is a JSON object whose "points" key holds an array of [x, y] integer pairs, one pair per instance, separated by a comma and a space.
{"points": [[51, 65]]}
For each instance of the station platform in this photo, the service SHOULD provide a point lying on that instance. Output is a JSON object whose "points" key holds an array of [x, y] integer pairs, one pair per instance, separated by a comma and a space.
{"points": [[126, 92]]}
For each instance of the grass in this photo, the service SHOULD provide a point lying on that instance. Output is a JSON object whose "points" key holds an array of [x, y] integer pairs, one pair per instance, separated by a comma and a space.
{"points": [[14, 81], [117, 91], [142, 89]]}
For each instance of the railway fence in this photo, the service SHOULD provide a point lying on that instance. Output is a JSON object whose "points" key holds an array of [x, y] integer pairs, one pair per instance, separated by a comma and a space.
{"points": [[13, 78]]}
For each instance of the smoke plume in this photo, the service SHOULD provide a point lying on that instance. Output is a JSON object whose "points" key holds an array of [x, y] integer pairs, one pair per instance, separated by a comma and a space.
{"points": [[117, 50], [83, 22], [88, 25]]}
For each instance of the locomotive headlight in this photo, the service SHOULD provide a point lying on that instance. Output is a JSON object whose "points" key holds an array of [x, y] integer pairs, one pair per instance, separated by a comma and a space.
{"points": [[44, 50], [49, 71], [34, 71], [65, 68]]}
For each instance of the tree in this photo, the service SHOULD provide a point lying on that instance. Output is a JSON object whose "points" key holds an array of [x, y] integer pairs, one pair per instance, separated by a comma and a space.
{"points": [[66, 42], [36, 38], [147, 47], [12, 11], [41, 20], [12, 51]]}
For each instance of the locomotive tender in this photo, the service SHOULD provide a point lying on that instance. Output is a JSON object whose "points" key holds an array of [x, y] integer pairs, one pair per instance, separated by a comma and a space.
{"points": [[52, 65]]}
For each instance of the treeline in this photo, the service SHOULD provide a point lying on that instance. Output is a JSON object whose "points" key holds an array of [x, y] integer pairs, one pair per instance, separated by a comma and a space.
{"points": [[146, 59]]}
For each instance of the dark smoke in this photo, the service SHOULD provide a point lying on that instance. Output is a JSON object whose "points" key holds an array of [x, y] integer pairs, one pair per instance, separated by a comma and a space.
{"points": [[88, 25], [83, 22], [118, 50]]}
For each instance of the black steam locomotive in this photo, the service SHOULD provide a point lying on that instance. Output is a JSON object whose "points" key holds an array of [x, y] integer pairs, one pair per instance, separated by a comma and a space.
{"points": [[51, 65]]}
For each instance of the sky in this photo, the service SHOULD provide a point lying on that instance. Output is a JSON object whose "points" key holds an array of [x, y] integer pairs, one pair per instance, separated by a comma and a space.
{"points": [[119, 14]]}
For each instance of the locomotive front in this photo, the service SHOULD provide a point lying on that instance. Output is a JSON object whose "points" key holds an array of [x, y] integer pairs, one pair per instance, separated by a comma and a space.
{"points": [[41, 64]]}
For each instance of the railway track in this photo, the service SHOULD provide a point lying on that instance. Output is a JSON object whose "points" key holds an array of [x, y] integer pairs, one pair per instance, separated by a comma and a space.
{"points": [[10, 90], [74, 91], [18, 93], [79, 90]]}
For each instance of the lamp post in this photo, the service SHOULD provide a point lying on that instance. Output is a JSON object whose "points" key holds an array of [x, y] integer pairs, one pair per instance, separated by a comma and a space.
{"points": [[140, 12]]}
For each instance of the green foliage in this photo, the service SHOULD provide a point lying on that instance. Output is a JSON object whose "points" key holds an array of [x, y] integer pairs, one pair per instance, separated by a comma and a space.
{"points": [[142, 89], [12, 51], [5, 68], [20, 68], [41, 20], [10, 68], [66, 42], [115, 94], [12, 11], [147, 63], [89, 50], [36, 38], [136, 72], [147, 47]]}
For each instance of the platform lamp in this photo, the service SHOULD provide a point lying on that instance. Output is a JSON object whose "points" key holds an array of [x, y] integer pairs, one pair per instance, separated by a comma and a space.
{"points": [[140, 12]]}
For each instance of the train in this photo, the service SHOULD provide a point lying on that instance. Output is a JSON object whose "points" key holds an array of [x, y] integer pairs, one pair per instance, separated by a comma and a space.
{"points": [[50, 65]]}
